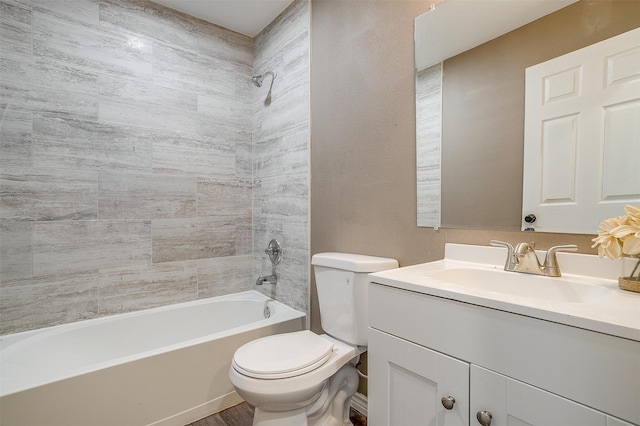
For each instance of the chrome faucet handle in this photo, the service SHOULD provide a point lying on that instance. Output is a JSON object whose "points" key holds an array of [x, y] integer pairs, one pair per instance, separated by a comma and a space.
{"points": [[511, 262], [551, 268]]}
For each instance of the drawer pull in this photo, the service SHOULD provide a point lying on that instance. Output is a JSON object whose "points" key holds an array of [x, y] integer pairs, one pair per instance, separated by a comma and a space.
{"points": [[484, 417], [447, 402]]}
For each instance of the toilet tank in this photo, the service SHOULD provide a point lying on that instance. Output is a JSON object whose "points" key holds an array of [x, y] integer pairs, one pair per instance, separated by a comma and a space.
{"points": [[343, 292]]}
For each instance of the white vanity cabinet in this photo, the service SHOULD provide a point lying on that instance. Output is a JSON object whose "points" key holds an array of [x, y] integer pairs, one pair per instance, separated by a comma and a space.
{"points": [[410, 382], [514, 403], [522, 370]]}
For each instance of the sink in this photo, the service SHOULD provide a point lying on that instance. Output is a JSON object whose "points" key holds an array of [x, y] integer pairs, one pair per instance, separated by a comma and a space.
{"points": [[586, 296], [539, 287]]}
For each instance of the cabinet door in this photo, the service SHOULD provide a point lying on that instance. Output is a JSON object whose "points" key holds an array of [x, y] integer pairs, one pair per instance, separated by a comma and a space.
{"points": [[407, 383], [514, 403]]}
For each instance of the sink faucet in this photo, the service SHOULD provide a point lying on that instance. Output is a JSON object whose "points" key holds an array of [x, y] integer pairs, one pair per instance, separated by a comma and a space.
{"points": [[523, 258]]}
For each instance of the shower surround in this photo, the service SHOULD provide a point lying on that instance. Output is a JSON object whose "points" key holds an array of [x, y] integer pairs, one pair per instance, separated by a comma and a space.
{"points": [[139, 166]]}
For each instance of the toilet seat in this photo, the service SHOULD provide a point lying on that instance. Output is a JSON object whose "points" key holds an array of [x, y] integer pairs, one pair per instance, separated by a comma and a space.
{"points": [[283, 355]]}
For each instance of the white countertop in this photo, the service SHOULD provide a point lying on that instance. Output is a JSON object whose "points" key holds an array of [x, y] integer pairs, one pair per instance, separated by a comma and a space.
{"points": [[617, 314]]}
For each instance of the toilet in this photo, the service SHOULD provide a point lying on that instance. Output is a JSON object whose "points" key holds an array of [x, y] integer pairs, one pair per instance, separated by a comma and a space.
{"points": [[302, 378]]}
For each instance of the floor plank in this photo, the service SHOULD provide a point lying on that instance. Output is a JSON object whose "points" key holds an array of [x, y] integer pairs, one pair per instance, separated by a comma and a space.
{"points": [[242, 415]]}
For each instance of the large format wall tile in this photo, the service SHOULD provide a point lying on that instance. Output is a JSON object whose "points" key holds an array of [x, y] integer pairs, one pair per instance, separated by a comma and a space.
{"points": [[193, 155], [224, 197], [38, 98], [77, 246], [281, 154], [151, 20], [16, 129], [35, 302], [15, 250], [224, 275], [66, 143], [91, 47], [127, 157], [136, 103], [47, 194], [129, 196], [82, 11], [15, 29], [148, 286], [192, 238]]}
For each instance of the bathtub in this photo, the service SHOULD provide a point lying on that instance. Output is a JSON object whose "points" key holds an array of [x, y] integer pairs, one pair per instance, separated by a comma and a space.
{"points": [[162, 366]]}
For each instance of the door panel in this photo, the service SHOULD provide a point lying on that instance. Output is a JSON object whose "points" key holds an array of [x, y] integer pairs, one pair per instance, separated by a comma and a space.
{"points": [[514, 403], [582, 136], [407, 383]]}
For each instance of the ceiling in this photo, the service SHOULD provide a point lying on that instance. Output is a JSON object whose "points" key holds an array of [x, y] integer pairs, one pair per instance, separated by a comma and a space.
{"points": [[247, 17]]}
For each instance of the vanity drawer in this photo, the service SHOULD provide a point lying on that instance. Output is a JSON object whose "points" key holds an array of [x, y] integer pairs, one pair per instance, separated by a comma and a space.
{"points": [[595, 369]]}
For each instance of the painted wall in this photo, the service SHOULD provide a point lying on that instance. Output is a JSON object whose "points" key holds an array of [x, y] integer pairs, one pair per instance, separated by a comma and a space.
{"points": [[363, 152], [495, 71], [126, 157]]}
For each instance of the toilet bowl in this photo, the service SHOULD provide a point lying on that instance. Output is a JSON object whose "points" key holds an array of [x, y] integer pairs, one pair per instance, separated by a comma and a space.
{"points": [[302, 378], [290, 388]]}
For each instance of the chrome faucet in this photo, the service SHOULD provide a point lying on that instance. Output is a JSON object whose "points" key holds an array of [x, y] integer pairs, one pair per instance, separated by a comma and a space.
{"points": [[274, 251], [267, 279], [523, 258]]}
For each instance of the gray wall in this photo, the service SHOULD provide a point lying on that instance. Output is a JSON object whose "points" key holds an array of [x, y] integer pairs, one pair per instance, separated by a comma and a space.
{"points": [[127, 157], [281, 154]]}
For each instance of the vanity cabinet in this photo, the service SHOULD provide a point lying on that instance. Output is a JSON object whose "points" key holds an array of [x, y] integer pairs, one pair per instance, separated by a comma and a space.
{"points": [[521, 370], [410, 381]]}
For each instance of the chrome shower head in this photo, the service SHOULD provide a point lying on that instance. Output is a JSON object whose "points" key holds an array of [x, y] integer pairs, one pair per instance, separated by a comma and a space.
{"points": [[258, 79]]}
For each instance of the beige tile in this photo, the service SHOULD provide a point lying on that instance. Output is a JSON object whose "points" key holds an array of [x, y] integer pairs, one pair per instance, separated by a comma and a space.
{"points": [[136, 196], [41, 301], [69, 143], [77, 246], [224, 275], [47, 194], [143, 287], [192, 238]]}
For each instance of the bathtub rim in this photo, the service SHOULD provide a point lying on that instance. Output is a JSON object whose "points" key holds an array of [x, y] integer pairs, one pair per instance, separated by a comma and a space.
{"points": [[17, 340]]}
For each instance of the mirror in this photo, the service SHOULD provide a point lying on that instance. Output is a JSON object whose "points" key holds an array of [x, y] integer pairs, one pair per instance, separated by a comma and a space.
{"points": [[470, 111]]}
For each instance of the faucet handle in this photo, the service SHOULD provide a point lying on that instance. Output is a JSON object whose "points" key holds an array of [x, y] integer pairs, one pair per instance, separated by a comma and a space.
{"points": [[501, 244], [551, 267], [510, 263]]}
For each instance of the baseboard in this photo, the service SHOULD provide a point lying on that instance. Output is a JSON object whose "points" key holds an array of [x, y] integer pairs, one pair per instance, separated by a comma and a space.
{"points": [[201, 411], [359, 403]]}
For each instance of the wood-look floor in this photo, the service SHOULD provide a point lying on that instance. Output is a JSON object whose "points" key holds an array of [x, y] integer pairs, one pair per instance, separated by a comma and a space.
{"points": [[242, 415]]}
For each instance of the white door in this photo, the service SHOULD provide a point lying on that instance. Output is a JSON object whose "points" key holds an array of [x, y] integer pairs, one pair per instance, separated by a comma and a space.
{"points": [[507, 402], [407, 384], [582, 136]]}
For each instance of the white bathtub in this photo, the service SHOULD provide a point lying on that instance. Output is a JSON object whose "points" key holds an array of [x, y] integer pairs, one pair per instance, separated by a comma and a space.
{"points": [[162, 366]]}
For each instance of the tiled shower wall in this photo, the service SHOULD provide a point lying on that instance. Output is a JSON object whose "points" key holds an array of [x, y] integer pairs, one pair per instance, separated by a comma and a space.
{"points": [[126, 159], [281, 154]]}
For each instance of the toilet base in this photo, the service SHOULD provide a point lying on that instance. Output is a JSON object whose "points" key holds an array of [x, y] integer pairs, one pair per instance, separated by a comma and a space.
{"points": [[288, 418], [330, 409]]}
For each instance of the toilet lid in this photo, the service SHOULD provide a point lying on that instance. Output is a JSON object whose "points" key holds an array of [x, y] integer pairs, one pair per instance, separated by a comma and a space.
{"points": [[282, 355]]}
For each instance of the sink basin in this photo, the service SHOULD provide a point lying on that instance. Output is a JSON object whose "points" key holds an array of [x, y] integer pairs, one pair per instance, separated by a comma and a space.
{"points": [[524, 285]]}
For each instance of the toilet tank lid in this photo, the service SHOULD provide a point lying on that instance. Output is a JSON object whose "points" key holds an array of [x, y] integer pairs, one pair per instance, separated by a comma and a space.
{"points": [[353, 262]]}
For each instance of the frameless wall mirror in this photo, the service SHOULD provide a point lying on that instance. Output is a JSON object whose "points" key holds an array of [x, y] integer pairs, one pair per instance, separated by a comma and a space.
{"points": [[470, 107]]}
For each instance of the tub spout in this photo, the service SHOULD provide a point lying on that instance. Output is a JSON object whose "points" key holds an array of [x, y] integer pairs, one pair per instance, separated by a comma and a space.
{"points": [[268, 279]]}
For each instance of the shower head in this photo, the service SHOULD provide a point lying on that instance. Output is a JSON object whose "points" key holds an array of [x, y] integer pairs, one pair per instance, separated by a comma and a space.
{"points": [[258, 79]]}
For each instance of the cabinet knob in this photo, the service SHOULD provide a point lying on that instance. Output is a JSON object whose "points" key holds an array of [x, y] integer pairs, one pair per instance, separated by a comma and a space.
{"points": [[447, 402], [484, 417]]}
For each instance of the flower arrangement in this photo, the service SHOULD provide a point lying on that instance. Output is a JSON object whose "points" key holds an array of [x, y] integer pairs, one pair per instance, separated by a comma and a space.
{"points": [[620, 236]]}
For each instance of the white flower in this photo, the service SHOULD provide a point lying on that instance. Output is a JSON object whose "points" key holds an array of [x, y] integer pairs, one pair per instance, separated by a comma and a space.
{"points": [[620, 235]]}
